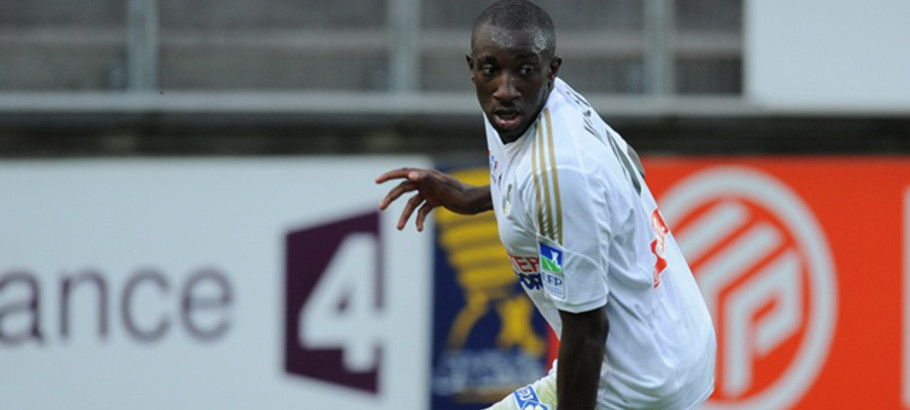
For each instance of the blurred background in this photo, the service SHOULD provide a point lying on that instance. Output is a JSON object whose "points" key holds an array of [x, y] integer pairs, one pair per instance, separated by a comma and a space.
{"points": [[188, 215], [283, 77]]}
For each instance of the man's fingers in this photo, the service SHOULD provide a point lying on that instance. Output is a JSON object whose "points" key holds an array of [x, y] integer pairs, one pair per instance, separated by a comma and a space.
{"points": [[408, 210], [412, 180], [422, 214], [401, 173], [396, 192], [416, 175]]}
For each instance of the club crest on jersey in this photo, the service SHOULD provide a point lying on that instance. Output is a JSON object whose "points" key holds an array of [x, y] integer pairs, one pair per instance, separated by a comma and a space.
{"points": [[507, 200], [527, 399], [552, 261]]}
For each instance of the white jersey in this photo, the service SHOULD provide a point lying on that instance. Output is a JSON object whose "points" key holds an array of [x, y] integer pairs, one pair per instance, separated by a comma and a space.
{"points": [[583, 231]]}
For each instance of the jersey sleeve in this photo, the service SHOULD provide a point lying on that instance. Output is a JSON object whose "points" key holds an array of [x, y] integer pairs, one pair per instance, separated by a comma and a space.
{"points": [[573, 233]]}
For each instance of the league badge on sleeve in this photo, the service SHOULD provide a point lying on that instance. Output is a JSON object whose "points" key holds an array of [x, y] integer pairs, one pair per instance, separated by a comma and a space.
{"points": [[551, 264]]}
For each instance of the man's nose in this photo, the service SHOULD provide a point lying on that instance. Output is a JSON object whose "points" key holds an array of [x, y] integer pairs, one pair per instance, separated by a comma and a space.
{"points": [[506, 90]]}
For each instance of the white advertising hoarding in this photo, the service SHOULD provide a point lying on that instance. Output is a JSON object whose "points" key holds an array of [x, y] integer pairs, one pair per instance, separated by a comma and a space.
{"points": [[210, 284], [842, 55]]}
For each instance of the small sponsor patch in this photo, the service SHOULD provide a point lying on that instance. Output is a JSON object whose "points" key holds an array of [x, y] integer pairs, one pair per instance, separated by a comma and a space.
{"points": [[527, 399], [551, 265]]}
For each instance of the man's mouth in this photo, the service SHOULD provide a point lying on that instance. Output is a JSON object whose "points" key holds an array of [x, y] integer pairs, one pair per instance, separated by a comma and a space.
{"points": [[506, 119]]}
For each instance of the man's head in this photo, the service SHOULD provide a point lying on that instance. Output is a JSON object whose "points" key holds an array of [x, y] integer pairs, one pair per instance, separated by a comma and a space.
{"points": [[513, 64]]}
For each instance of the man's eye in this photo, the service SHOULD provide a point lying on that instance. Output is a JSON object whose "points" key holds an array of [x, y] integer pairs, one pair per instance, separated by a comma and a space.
{"points": [[526, 70], [487, 70]]}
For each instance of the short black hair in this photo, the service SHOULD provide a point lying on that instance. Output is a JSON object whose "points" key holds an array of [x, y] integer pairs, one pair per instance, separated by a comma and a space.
{"points": [[519, 15]]}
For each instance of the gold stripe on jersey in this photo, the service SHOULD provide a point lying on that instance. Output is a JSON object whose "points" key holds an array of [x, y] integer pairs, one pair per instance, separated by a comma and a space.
{"points": [[535, 172], [543, 163], [558, 210], [547, 226]]}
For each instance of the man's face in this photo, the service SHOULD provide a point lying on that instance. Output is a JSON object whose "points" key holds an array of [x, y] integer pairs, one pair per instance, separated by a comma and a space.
{"points": [[513, 76]]}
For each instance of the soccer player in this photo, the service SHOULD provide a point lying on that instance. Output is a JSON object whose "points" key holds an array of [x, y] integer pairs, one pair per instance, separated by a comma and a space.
{"points": [[571, 201]]}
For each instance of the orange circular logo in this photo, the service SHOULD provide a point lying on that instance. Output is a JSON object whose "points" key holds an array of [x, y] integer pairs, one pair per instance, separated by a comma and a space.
{"points": [[765, 270]]}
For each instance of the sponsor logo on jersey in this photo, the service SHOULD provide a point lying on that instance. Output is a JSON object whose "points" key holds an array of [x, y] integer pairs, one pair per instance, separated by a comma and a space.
{"points": [[551, 265], [530, 281], [527, 269], [525, 264], [527, 399]]}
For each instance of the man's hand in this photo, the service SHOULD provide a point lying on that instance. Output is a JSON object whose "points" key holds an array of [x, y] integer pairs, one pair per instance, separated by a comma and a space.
{"points": [[434, 189]]}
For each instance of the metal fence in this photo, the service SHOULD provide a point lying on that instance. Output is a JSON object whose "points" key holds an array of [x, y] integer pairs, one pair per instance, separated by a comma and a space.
{"points": [[212, 77], [628, 47]]}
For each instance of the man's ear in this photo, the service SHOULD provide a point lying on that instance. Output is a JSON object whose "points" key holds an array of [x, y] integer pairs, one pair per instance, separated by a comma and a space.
{"points": [[555, 63]]}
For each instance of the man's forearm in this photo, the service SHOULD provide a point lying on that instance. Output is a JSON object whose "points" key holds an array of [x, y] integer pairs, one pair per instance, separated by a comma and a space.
{"points": [[473, 199], [482, 201], [581, 352]]}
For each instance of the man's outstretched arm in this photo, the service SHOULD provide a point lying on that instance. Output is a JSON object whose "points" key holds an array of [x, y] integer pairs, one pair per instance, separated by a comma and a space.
{"points": [[434, 188], [581, 352]]}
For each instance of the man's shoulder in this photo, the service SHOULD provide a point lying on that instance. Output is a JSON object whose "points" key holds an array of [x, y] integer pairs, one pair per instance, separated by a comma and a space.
{"points": [[573, 113], [573, 132], [564, 98]]}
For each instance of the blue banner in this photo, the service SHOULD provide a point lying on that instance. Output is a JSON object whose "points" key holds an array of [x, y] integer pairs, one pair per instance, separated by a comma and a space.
{"points": [[488, 339]]}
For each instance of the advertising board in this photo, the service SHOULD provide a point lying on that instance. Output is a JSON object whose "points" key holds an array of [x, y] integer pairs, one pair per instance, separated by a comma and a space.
{"points": [[209, 283], [802, 261]]}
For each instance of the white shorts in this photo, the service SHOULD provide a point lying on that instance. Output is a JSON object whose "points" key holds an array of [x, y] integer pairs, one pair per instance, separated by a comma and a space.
{"points": [[540, 395]]}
